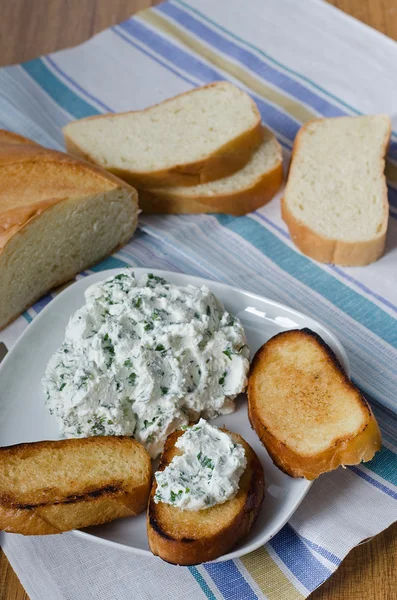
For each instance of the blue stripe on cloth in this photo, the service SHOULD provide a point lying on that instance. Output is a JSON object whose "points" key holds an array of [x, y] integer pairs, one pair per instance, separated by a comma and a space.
{"points": [[75, 84], [202, 583], [301, 268], [384, 464], [249, 60], [27, 316], [62, 95], [313, 98], [272, 115], [358, 471], [111, 262], [322, 551], [42, 303], [298, 558], [334, 268], [230, 581], [117, 31]]}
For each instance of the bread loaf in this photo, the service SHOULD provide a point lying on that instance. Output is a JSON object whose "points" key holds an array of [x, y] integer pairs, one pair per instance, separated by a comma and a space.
{"points": [[58, 216]]}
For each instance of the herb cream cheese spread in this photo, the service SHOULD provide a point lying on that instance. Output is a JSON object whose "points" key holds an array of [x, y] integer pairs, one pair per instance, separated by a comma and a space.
{"points": [[206, 473], [143, 357]]}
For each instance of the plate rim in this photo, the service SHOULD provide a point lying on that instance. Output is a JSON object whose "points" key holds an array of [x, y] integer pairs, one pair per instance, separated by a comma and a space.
{"points": [[103, 274]]}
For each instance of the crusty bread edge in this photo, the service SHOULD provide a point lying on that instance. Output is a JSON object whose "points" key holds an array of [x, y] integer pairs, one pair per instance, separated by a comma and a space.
{"points": [[345, 450], [104, 504], [238, 203], [228, 159], [327, 250], [187, 551]]}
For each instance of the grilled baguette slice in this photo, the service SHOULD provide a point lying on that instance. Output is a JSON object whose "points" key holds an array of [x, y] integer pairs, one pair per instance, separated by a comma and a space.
{"points": [[185, 537], [51, 487], [242, 192], [58, 216], [201, 135], [306, 412], [335, 201]]}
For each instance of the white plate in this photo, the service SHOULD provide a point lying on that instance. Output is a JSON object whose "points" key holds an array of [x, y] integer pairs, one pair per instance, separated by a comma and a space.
{"points": [[24, 417]]}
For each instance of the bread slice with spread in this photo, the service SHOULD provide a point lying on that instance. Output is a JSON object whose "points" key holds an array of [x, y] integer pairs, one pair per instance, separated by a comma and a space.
{"points": [[304, 408], [51, 487], [201, 135], [58, 216], [202, 519]]}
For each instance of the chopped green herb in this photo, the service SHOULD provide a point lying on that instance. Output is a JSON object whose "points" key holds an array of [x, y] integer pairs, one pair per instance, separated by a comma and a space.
{"points": [[174, 497], [62, 386], [222, 379], [138, 302], [128, 363], [156, 315], [110, 422], [228, 353], [160, 348], [132, 378], [197, 315], [148, 326], [121, 276], [205, 461], [164, 390]]}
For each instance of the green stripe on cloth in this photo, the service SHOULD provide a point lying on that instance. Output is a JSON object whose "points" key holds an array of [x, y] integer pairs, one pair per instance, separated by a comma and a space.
{"points": [[63, 96], [269, 577], [307, 272]]}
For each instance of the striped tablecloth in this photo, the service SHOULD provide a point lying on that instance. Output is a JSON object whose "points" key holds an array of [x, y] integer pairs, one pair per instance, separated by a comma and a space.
{"points": [[298, 60]]}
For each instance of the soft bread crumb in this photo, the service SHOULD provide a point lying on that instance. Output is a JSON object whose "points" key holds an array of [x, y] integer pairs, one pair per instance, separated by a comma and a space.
{"points": [[336, 185]]}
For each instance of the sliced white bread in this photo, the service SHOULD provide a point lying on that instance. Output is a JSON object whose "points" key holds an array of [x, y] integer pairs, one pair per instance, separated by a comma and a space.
{"points": [[51, 487], [201, 135], [244, 191], [335, 201], [58, 216]]}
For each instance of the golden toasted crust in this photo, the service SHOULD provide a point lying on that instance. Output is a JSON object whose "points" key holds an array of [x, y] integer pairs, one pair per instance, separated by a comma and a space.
{"points": [[51, 509], [237, 203], [227, 160], [344, 449], [191, 537], [326, 250], [34, 178]]}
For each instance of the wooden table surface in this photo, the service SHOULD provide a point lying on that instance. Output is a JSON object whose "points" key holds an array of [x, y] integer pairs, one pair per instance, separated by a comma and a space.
{"points": [[30, 28]]}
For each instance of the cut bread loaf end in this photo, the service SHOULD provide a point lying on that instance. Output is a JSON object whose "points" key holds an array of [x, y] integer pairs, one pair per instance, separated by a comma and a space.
{"points": [[58, 216], [246, 190], [306, 412], [202, 135], [51, 487], [186, 537], [335, 201]]}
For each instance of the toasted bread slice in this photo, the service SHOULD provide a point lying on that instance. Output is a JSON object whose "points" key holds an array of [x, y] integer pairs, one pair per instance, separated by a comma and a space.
{"points": [[185, 537], [201, 135], [335, 201], [305, 410], [242, 192], [50, 487]]}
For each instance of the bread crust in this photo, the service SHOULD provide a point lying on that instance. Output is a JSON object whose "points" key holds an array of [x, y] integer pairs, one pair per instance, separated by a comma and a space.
{"points": [[50, 511], [198, 548], [345, 450], [238, 203], [327, 250], [19, 155], [228, 159]]}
